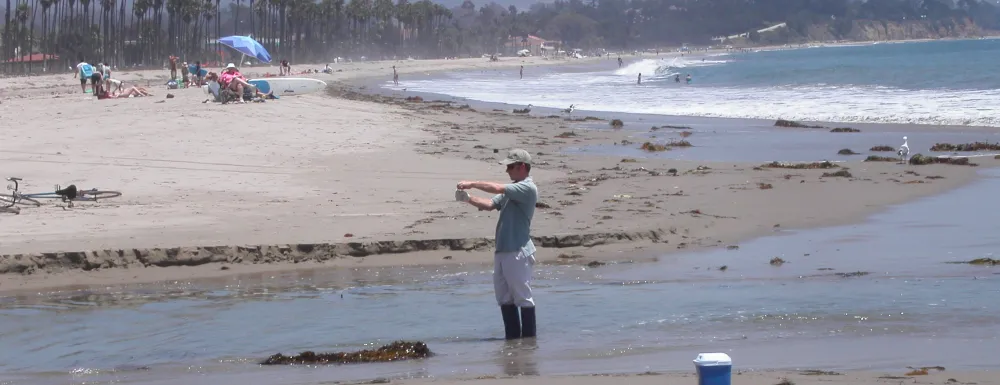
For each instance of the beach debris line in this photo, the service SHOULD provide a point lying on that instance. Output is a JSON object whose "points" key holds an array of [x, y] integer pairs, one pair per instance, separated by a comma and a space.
{"points": [[396, 351], [975, 146]]}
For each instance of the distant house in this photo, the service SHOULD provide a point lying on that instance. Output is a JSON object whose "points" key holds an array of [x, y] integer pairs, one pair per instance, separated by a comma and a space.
{"points": [[534, 44]]}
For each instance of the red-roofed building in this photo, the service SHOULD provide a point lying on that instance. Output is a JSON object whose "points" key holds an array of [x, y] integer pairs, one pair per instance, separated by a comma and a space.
{"points": [[33, 58]]}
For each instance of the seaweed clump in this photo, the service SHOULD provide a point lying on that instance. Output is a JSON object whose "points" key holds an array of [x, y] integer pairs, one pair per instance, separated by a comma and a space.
{"points": [[838, 174], [876, 158], [793, 124], [845, 129], [396, 351], [981, 262], [920, 159], [654, 147], [846, 151], [976, 146], [800, 166], [882, 148], [617, 123]]}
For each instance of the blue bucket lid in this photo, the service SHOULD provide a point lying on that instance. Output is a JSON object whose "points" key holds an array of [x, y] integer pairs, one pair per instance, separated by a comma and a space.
{"points": [[713, 359]]}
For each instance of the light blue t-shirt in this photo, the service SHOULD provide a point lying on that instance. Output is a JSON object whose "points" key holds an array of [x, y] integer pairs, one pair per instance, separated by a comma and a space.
{"points": [[86, 70], [517, 207]]}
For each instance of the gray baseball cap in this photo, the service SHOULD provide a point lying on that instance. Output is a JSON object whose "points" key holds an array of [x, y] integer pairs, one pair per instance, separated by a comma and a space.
{"points": [[517, 155]]}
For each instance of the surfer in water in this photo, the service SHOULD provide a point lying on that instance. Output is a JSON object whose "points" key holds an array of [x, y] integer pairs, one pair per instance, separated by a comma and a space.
{"points": [[677, 78], [689, 79]]}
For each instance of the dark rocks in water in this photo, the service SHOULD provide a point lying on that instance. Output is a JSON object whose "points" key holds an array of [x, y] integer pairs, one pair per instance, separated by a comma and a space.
{"points": [[976, 146], [793, 124], [416, 99], [617, 123], [396, 351], [876, 158], [823, 164], [882, 148], [653, 147], [845, 129], [846, 151], [920, 159]]}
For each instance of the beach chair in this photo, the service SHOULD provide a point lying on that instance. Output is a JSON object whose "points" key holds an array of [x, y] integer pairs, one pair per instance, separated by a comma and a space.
{"points": [[212, 88]]}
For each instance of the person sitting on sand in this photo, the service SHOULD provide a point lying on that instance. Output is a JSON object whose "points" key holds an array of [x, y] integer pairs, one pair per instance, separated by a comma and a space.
{"points": [[232, 79]]}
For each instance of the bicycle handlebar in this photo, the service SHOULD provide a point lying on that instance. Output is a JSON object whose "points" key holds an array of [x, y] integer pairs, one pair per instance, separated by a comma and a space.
{"points": [[15, 180]]}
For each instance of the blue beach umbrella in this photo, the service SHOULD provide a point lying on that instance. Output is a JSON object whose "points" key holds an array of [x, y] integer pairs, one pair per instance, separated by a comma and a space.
{"points": [[247, 46]]}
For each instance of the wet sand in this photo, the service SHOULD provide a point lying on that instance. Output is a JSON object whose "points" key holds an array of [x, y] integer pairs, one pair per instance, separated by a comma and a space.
{"points": [[746, 378], [353, 168]]}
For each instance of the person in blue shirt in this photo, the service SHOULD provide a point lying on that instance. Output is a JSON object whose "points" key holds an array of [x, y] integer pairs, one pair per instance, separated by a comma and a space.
{"points": [[85, 72], [514, 257]]}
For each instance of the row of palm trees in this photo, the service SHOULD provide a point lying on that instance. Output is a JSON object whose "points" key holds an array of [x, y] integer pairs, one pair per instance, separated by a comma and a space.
{"points": [[135, 33]]}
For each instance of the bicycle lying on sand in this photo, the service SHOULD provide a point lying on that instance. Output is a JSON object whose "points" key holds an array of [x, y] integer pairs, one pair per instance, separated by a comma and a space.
{"points": [[69, 195]]}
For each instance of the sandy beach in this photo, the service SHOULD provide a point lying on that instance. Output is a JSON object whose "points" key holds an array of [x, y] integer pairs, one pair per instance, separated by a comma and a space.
{"points": [[322, 170]]}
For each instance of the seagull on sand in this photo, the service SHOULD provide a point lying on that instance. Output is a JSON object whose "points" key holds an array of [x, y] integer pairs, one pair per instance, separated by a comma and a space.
{"points": [[570, 109], [904, 150]]}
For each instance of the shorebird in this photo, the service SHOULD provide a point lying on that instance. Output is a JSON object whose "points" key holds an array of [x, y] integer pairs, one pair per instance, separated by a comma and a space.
{"points": [[570, 109], [904, 150]]}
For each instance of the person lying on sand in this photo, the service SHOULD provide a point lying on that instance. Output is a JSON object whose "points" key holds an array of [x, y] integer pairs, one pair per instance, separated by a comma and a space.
{"points": [[131, 92]]}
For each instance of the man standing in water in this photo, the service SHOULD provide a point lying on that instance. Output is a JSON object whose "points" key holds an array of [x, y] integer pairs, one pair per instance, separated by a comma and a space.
{"points": [[514, 257], [522, 72]]}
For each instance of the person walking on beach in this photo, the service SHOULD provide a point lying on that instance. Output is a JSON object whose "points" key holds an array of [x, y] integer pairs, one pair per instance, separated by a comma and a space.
{"points": [[514, 257], [87, 72], [395, 76], [639, 81]]}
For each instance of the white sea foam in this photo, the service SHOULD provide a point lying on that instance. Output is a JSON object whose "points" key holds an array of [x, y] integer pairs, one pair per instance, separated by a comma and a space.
{"points": [[667, 67], [616, 91]]}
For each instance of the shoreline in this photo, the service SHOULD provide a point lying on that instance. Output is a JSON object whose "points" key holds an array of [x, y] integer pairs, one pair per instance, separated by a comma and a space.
{"points": [[754, 377], [667, 226]]}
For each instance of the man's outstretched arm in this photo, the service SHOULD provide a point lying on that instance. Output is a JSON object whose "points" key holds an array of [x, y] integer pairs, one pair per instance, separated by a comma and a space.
{"points": [[490, 187], [483, 204]]}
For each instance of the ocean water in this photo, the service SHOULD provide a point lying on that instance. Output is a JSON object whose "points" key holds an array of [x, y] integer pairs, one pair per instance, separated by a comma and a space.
{"points": [[907, 307], [935, 83]]}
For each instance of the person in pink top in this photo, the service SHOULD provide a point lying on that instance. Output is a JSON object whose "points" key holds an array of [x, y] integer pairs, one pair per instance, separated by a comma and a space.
{"points": [[232, 78]]}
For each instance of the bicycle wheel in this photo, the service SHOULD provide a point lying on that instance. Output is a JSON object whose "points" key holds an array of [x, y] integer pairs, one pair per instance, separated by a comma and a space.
{"points": [[94, 195], [21, 200]]}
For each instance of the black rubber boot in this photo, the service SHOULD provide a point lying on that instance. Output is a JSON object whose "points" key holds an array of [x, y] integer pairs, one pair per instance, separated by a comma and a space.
{"points": [[528, 322], [511, 322]]}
